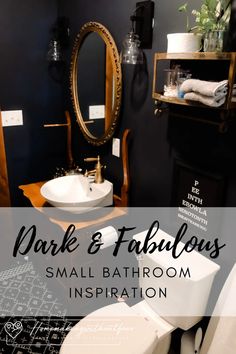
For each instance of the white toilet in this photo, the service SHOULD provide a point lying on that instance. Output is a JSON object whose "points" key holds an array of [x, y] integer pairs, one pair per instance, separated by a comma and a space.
{"points": [[220, 334], [146, 327]]}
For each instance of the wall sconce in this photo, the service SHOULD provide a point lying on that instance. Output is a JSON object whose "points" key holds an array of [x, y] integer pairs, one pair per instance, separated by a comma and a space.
{"points": [[54, 51], [140, 35], [59, 42], [60, 39]]}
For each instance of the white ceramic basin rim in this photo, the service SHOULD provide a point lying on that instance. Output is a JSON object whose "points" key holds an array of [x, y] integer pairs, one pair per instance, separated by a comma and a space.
{"points": [[75, 191]]}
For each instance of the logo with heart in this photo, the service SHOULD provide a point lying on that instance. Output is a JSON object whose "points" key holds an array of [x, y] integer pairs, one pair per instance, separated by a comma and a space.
{"points": [[13, 329]]}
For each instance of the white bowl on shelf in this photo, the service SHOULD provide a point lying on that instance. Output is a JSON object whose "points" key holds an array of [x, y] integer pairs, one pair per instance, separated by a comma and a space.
{"points": [[184, 42]]}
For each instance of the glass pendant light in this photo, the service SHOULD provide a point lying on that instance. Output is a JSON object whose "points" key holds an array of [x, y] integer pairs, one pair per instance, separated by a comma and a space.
{"points": [[59, 40], [54, 51], [131, 52], [140, 35]]}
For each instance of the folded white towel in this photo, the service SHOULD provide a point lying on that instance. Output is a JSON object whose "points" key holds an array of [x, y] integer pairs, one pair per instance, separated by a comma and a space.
{"points": [[206, 88], [207, 100]]}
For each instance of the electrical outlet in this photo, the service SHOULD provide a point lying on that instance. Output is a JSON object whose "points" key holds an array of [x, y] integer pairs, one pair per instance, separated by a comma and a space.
{"points": [[12, 118], [116, 147], [97, 112]]}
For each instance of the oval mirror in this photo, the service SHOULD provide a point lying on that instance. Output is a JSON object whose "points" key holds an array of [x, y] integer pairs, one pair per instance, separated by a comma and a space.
{"points": [[96, 83]]}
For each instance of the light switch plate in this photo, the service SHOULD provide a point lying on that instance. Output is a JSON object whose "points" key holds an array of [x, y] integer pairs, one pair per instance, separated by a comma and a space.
{"points": [[12, 118], [97, 112], [116, 147]]}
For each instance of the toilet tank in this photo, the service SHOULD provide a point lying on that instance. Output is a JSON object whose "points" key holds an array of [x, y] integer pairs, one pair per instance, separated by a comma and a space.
{"points": [[176, 289]]}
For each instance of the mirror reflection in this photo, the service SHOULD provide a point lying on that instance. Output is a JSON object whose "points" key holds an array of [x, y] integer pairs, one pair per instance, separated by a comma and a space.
{"points": [[95, 59], [92, 68]]}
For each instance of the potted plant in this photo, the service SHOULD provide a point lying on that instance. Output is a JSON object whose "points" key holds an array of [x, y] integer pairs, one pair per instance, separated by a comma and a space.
{"points": [[184, 42], [212, 21]]}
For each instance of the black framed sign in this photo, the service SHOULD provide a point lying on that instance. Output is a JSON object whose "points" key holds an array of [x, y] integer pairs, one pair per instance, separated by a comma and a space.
{"points": [[194, 187]]}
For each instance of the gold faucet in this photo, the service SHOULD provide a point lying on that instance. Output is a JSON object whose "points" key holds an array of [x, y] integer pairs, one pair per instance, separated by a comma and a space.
{"points": [[97, 171]]}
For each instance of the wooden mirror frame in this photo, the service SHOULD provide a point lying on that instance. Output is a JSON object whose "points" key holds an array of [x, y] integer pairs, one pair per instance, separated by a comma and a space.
{"points": [[115, 68]]}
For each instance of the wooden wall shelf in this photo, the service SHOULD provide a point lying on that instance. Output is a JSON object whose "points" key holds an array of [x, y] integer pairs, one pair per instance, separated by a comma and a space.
{"points": [[228, 58]]}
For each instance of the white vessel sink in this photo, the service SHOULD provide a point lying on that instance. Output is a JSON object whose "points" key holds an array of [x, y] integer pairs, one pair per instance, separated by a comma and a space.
{"points": [[76, 193]]}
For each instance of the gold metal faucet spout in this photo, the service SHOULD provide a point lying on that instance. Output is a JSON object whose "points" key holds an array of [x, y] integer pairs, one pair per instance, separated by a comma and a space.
{"points": [[97, 171], [90, 173]]}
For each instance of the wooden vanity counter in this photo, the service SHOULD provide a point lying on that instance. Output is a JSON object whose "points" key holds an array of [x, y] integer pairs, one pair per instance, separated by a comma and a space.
{"points": [[32, 192]]}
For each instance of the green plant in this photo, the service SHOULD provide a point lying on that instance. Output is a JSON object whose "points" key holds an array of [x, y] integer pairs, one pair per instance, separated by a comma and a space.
{"points": [[213, 15], [184, 8]]}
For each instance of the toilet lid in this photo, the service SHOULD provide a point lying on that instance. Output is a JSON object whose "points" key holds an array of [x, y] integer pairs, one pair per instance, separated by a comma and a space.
{"points": [[112, 329]]}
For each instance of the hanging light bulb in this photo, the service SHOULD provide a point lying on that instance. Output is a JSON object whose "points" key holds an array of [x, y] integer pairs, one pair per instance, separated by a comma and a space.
{"points": [[140, 35], [54, 51], [59, 39], [131, 52]]}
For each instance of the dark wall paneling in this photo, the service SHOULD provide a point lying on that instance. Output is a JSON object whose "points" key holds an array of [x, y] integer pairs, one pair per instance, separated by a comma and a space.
{"points": [[32, 151]]}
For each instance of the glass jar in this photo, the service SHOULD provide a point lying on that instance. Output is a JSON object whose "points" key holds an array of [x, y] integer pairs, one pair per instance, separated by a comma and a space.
{"points": [[173, 80], [181, 77], [213, 41], [170, 85]]}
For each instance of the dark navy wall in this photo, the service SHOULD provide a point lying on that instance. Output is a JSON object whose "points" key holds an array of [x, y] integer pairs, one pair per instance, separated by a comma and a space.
{"points": [[32, 151], [156, 141]]}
